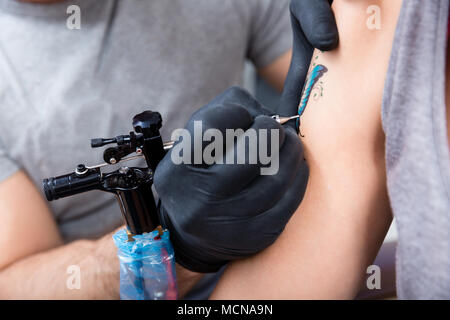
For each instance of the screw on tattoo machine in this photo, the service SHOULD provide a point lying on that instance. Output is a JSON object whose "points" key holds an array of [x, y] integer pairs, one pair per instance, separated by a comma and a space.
{"points": [[131, 186], [147, 270]]}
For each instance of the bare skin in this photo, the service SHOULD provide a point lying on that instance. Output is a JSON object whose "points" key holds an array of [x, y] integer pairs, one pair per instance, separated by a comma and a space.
{"points": [[343, 219], [276, 72]]}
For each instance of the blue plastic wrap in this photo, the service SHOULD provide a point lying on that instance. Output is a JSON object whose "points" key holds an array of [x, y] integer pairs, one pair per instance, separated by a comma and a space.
{"points": [[147, 266]]}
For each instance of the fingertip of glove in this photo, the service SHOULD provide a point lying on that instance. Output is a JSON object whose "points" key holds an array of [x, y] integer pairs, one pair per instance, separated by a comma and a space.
{"points": [[325, 36], [291, 126], [326, 42]]}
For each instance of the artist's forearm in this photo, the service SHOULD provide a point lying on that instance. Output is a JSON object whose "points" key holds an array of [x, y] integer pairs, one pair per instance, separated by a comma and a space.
{"points": [[186, 280], [46, 275], [276, 72]]}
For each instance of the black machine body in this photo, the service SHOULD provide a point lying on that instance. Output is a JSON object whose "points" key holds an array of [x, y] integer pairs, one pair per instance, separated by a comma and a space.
{"points": [[132, 186]]}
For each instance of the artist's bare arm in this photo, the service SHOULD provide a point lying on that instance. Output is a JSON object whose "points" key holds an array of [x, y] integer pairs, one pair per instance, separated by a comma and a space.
{"points": [[34, 261], [276, 72], [339, 227]]}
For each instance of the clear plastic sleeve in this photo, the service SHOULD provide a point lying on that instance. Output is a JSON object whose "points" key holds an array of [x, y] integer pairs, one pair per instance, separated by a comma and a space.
{"points": [[147, 266]]}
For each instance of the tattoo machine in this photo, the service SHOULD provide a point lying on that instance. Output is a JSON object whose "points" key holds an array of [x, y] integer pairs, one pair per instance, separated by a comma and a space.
{"points": [[147, 264]]}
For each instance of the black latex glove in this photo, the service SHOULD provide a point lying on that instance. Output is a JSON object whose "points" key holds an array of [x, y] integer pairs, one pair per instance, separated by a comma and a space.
{"points": [[225, 212], [314, 26]]}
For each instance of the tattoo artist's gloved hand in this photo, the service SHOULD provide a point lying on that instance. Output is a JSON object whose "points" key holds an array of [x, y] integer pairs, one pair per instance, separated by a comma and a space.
{"points": [[222, 212], [314, 26]]}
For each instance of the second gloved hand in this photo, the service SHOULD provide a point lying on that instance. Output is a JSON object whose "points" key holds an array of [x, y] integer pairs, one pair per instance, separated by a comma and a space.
{"points": [[313, 26], [217, 213]]}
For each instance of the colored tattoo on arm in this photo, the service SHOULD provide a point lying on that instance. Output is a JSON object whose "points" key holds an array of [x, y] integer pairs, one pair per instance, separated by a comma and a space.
{"points": [[311, 84]]}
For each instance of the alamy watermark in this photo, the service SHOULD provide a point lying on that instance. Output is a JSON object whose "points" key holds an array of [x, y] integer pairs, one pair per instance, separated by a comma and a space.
{"points": [[237, 147], [374, 280], [73, 282], [73, 22], [374, 20]]}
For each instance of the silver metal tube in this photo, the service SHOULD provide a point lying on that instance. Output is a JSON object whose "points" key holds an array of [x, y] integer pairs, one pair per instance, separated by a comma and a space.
{"points": [[283, 120], [168, 145]]}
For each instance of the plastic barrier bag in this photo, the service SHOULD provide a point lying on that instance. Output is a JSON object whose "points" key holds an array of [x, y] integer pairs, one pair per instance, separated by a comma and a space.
{"points": [[147, 266]]}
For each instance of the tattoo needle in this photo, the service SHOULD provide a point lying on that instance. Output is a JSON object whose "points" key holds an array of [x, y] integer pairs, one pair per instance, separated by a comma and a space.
{"points": [[283, 120], [277, 118]]}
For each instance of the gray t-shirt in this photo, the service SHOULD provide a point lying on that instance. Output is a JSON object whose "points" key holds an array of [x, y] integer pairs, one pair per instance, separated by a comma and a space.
{"points": [[61, 87], [417, 150]]}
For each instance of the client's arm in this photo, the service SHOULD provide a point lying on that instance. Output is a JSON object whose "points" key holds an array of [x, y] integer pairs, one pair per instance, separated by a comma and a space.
{"points": [[340, 225]]}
